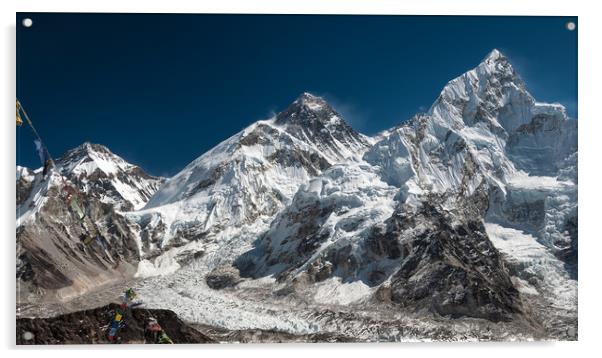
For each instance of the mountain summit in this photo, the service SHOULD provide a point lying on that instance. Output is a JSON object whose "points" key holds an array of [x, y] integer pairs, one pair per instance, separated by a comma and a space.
{"points": [[494, 55], [109, 178], [307, 108], [311, 118]]}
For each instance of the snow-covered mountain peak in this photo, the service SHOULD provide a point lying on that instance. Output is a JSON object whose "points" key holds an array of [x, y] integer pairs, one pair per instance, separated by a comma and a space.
{"points": [[495, 64], [89, 157], [107, 176], [492, 95], [494, 55], [484, 122], [311, 119], [89, 148], [308, 108], [496, 58], [310, 100], [245, 180]]}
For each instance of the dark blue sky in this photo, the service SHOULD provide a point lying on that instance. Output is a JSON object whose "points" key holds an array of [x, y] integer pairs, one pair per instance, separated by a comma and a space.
{"points": [[160, 90]]}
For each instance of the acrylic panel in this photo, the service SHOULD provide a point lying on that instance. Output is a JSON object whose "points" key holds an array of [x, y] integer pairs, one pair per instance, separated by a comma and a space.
{"points": [[197, 178]]}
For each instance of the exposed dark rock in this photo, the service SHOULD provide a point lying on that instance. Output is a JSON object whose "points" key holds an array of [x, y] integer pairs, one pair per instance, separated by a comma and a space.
{"points": [[320, 270], [89, 327], [313, 162], [569, 254], [452, 269], [311, 117], [57, 254], [223, 277], [383, 244]]}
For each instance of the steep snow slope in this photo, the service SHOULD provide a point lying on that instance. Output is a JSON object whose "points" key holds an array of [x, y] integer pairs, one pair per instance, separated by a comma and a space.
{"points": [[244, 181], [108, 177]]}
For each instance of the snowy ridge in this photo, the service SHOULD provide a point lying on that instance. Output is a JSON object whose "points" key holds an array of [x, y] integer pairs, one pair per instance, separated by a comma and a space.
{"points": [[248, 178], [124, 185]]}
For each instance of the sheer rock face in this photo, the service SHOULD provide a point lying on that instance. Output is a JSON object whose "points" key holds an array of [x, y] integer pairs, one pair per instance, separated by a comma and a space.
{"points": [[450, 266]]}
